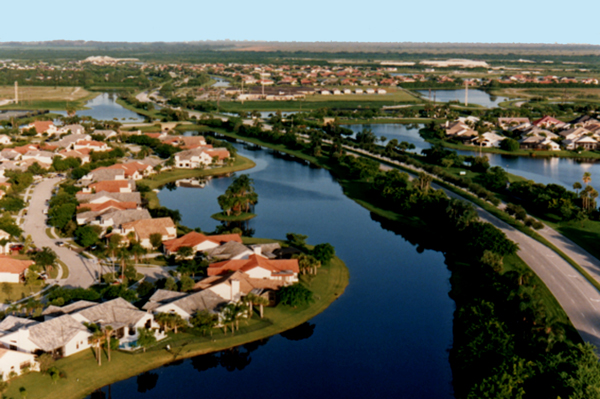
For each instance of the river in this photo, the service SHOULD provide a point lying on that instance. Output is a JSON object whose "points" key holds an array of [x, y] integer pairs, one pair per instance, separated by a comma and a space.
{"points": [[387, 336]]}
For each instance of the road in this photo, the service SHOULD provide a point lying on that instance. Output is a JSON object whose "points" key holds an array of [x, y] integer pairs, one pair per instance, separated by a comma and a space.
{"points": [[577, 296], [82, 272]]}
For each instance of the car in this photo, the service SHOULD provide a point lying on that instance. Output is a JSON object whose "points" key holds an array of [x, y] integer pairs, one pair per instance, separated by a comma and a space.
{"points": [[60, 243], [60, 175], [16, 247]]}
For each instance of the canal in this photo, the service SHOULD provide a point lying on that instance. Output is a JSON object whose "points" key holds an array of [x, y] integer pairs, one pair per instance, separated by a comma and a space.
{"points": [[387, 336]]}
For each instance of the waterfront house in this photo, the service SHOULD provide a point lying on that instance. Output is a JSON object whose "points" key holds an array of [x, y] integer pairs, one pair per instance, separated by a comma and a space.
{"points": [[161, 297], [187, 306], [230, 250], [548, 122], [459, 129], [16, 363], [13, 270], [487, 140], [586, 142], [234, 285], [256, 266], [191, 159], [112, 217], [61, 336], [103, 174], [535, 142], [108, 205], [198, 242]]}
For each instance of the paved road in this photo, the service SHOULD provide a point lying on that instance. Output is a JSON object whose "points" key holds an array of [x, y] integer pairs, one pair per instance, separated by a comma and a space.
{"points": [[578, 297], [82, 271]]}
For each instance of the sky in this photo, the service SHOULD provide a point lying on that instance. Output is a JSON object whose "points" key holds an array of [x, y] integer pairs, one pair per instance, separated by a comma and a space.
{"points": [[508, 21]]}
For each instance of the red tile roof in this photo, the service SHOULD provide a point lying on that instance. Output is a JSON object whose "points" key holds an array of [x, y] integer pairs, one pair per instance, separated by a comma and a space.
{"points": [[111, 186], [193, 238], [109, 204], [253, 261], [12, 265]]}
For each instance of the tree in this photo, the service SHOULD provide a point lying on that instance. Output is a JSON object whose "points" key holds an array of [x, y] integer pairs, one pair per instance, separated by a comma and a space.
{"points": [[170, 321], [492, 260], [45, 258], [509, 144], [295, 295], [296, 240], [185, 252], [253, 299], [204, 321], [307, 264], [97, 338], [577, 186], [587, 178], [186, 283], [87, 236], [108, 332], [146, 338], [323, 252], [156, 240]]}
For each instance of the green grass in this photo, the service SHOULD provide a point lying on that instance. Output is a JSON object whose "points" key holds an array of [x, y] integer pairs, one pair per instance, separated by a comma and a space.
{"points": [[160, 179], [49, 233], [65, 269], [233, 218], [586, 234], [150, 114], [14, 292], [84, 375]]}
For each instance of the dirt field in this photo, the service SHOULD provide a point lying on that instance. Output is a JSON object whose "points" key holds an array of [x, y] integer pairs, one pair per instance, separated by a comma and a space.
{"points": [[38, 93], [572, 94]]}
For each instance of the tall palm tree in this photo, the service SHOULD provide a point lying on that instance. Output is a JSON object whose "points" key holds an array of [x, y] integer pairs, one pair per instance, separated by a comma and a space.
{"points": [[108, 331], [587, 178]]}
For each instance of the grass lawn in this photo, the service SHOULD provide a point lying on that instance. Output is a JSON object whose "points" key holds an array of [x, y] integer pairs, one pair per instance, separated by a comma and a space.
{"points": [[586, 234], [49, 233], [150, 114], [65, 269], [47, 97], [160, 179], [84, 375], [233, 218], [14, 292]]}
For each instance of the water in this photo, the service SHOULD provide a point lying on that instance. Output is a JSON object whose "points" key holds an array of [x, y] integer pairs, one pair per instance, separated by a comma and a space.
{"points": [[562, 171], [400, 132], [220, 82], [479, 97], [387, 336], [105, 108]]}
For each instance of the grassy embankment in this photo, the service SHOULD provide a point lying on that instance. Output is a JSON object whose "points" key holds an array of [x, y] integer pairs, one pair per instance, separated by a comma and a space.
{"points": [[160, 179], [47, 97], [242, 217], [84, 375]]}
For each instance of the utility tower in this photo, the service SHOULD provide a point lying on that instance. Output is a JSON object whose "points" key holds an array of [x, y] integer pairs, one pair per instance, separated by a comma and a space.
{"points": [[16, 92]]}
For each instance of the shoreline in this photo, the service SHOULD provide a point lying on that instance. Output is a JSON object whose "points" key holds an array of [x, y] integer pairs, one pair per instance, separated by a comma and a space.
{"points": [[83, 378]]}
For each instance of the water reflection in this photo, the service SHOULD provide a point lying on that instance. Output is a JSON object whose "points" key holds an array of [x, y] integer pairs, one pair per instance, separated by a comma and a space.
{"points": [[105, 108], [398, 131], [479, 97], [303, 331]]}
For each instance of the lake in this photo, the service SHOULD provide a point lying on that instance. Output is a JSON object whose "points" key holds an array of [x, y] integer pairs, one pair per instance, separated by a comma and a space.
{"points": [[479, 97], [563, 171], [398, 131], [387, 336], [105, 108], [220, 82]]}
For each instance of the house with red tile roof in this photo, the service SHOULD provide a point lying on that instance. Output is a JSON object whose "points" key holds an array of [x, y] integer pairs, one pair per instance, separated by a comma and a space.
{"points": [[110, 186], [42, 127], [259, 267], [91, 145], [144, 228], [13, 270], [85, 158], [110, 204], [548, 121], [198, 242]]}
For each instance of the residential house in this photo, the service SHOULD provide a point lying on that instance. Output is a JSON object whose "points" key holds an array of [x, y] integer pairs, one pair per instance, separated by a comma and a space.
{"points": [[488, 140], [143, 229], [105, 196], [132, 170], [548, 122], [103, 174], [61, 336], [107, 134], [459, 129], [234, 285], [187, 306], [81, 155], [9, 154], [5, 140], [16, 363], [113, 217], [42, 127], [68, 141], [91, 145], [230, 250], [535, 142], [13, 270], [506, 123], [583, 121], [110, 204], [586, 142], [111, 186], [4, 237], [161, 297], [259, 267], [186, 142], [191, 159], [199, 242], [71, 129], [44, 158]]}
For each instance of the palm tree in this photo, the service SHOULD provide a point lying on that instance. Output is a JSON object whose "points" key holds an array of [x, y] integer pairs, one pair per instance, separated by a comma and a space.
{"points": [[253, 299], [124, 257], [108, 331], [97, 338], [577, 186], [587, 178]]}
